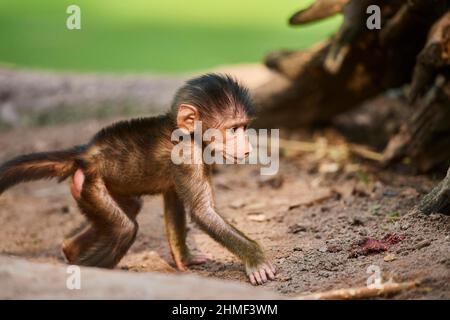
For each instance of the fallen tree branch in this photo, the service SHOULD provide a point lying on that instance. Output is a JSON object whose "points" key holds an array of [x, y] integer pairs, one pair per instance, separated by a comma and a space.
{"points": [[386, 289], [320, 9], [358, 150], [350, 68]]}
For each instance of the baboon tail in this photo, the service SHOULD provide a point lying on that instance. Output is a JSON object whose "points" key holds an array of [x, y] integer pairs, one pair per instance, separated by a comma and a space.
{"points": [[36, 166]]}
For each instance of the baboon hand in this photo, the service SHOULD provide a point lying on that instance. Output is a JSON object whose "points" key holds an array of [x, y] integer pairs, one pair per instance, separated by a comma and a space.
{"points": [[260, 273]]}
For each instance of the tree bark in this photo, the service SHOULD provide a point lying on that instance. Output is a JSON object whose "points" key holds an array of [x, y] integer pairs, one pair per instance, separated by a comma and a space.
{"points": [[438, 200], [376, 121], [425, 137], [433, 58]]}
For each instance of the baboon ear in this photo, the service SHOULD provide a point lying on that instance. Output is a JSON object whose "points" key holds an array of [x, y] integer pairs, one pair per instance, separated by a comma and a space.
{"points": [[186, 117]]}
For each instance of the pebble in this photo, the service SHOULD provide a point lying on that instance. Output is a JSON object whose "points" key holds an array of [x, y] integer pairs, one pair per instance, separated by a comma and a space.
{"points": [[390, 193], [274, 182], [362, 233], [357, 221], [334, 248], [65, 209], [422, 244], [296, 228], [435, 217]]}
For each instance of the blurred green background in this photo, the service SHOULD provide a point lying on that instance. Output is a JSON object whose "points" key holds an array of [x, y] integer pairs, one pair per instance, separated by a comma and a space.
{"points": [[170, 36]]}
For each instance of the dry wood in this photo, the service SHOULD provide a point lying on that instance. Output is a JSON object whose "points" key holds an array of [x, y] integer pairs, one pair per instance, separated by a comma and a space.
{"points": [[438, 200], [376, 120], [320, 9], [411, 13], [302, 146], [425, 137], [386, 289], [328, 194], [362, 69], [433, 58]]}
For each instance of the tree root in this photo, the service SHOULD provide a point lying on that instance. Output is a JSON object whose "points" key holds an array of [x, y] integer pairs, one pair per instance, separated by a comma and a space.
{"points": [[438, 200]]}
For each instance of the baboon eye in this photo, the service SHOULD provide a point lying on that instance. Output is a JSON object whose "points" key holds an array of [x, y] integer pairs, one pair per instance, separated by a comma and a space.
{"points": [[233, 130]]}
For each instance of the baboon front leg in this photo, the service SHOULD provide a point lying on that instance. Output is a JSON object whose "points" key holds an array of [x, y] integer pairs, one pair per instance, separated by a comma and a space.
{"points": [[175, 220], [199, 198], [112, 232], [82, 241]]}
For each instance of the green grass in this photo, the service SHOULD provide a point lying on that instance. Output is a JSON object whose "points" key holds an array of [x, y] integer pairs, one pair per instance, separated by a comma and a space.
{"points": [[151, 36]]}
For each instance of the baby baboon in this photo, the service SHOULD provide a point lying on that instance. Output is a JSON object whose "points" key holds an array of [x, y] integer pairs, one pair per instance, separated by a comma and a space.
{"points": [[133, 158]]}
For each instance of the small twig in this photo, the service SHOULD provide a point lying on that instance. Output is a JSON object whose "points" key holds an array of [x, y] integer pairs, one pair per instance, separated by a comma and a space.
{"points": [[366, 153], [314, 201]]}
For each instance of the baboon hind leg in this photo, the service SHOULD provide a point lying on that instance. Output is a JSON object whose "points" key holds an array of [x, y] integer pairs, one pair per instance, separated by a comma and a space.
{"points": [[80, 242], [112, 231]]}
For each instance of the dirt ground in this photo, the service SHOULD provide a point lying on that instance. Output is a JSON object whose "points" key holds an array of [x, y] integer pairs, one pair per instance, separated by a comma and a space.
{"points": [[312, 222]]}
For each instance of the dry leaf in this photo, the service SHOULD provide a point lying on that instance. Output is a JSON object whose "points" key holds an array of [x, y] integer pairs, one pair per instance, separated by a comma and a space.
{"points": [[256, 206], [329, 167], [258, 217], [389, 258]]}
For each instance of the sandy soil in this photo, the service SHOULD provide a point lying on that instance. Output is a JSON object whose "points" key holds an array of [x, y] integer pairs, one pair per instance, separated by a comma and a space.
{"points": [[310, 223]]}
